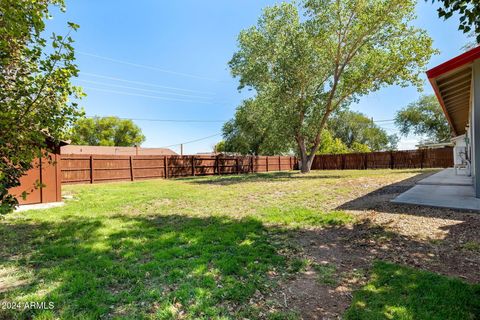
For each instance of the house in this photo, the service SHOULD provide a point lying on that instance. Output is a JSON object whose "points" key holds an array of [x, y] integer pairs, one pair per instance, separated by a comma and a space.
{"points": [[117, 151], [456, 83], [431, 145]]}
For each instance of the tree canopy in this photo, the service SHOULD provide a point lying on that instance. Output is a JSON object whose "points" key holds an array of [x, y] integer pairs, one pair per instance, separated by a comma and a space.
{"points": [[106, 131], [424, 117], [355, 129], [252, 132], [468, 10], [37, 98], [308, 67], [347, 131]]}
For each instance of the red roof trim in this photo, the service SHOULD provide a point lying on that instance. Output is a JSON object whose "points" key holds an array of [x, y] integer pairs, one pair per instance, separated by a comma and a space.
{"points": [[457, 62]]}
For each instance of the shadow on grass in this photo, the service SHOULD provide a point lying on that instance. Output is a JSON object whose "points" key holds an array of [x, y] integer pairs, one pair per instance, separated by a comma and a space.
{"points": [[174, 266], [257, 177], [167, 266], [458, 226], [170, 266], [396, 292]]}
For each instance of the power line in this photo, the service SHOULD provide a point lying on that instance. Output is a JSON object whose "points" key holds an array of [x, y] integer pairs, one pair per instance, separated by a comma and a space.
{"points": [[168, 120], [140, 89], [389, 120], [143, 83], [146, 95], [138, 65], [192, 141]]}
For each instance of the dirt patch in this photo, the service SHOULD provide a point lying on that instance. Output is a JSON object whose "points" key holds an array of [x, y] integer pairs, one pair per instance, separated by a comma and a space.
{"points": [[439, 240]]}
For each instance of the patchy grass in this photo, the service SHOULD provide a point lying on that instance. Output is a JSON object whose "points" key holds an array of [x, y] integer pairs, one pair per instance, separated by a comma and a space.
{"points": [[298, 217], [472, 246], [326, 274], [396, 292], [195, 248]]}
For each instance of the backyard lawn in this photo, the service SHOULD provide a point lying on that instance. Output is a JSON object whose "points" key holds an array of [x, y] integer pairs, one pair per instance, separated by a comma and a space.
{"points": [[260, 246]]}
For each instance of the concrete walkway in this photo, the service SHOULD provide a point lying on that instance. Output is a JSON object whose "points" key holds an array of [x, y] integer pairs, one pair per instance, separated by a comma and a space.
{"points": [[447, 177], [39, 206], [444, 189]]}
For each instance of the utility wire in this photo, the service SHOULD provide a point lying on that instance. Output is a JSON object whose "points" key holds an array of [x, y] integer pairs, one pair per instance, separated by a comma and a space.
{"points": [[145, 95], [168, 120], [389, 120], [192, 141], [143, 83], [138, 65], [145, 90]]}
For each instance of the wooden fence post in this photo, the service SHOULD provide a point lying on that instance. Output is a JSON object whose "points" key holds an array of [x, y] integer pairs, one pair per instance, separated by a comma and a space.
{"points": [[216, 165], [366, 161], [290, 162], [91, 168], [251, 164], [193, 166], [267, 162], [165, 167], [343, 161], [279, 163], [392, 161], [131, 169], [237, 165], [422, 158]]}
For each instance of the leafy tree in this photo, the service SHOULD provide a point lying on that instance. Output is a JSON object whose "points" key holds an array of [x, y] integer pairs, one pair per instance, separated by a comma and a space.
{"points": [[35, 93], [106, 131], [220, 146], [251, 132], [469, 11], [359, 147], [308, 67], [424, 117], [359, 132], [331, 145]]}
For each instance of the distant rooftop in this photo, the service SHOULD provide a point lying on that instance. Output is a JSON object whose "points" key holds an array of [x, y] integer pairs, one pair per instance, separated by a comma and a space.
{"points": [[119, 151]]}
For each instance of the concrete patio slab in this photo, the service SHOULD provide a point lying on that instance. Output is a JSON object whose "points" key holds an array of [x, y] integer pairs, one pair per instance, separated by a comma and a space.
{"points": [[444, 189], [455, 197], [39, 206], [447, 177]]}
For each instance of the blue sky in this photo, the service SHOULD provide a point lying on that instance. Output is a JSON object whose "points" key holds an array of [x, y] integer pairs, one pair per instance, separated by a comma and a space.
{"points": [[153, 59]]}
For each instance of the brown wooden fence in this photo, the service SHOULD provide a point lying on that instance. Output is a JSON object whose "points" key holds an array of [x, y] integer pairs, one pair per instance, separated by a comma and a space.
{"points": [[98, 168], [428, 158]]}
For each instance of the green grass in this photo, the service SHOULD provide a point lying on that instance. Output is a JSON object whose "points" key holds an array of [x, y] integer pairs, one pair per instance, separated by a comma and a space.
{"points": [[472, 246], [194, 248], [326, 274], [397, 292]]}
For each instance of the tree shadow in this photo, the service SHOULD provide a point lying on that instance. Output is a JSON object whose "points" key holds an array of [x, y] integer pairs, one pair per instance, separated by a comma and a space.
{"points": [[160, 265], [395, 291], [173, 266], [257, 177], [448, 232]]}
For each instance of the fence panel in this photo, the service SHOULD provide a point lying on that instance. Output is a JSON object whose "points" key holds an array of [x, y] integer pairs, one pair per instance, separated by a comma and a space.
{"points": [[104, 168], [429, 158]]}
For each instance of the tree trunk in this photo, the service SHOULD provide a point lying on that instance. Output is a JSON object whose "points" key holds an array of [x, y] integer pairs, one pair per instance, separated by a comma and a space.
{"points": [[306, 164], [305, 159]]}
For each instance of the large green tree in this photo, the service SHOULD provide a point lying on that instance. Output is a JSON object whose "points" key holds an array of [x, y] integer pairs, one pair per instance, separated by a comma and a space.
{"points": [[310, 66], [468, 11], [252, 132], [106, 131], [36, 92], [355, 129], [424, 117]]}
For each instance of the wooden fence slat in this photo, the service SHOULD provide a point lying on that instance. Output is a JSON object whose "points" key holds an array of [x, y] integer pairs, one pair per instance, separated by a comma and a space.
{"points": [[131, 169], [91, 169]]}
